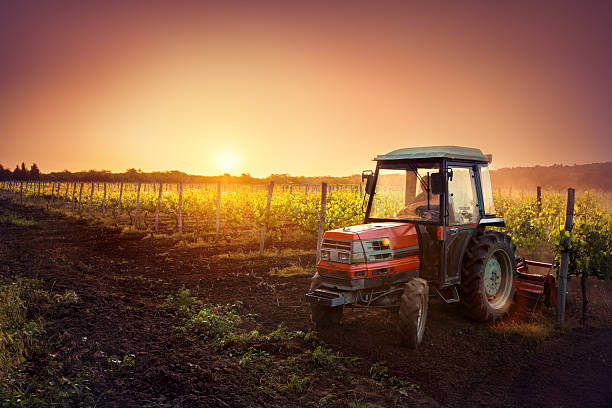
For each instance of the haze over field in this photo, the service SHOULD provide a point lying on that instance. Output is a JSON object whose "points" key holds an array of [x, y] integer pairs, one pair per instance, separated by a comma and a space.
{"points": [[306, 89]]}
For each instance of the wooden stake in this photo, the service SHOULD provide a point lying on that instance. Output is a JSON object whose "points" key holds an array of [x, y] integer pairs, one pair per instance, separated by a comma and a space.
{"points": [[119, 206], [159, 197], [104, 201], [80, 198], [218, 222], [266, 217], [73, 194], [179, 187], [66, 197], [91, 197], [322, 218], [539, 199], [561, 289], [137, 206]]}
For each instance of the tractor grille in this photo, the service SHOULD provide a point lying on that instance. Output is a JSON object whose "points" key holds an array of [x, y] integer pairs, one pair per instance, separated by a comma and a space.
{"points": [[380, 271], [341, 244], [376, 251]]}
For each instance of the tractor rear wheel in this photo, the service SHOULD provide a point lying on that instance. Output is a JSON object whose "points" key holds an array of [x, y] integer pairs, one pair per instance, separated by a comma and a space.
{"points": [[325, 316], [488, 276], [413, 312]]}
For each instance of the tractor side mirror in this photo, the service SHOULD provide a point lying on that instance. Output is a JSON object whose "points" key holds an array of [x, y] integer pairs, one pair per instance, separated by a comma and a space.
{"points": [[368, 175], [437, 183]]}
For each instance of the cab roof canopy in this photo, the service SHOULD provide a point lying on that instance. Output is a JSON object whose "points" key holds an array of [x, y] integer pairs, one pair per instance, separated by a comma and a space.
{"points": [[435, 152]]}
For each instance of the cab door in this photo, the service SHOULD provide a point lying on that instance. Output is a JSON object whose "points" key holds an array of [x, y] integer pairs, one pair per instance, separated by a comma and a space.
{"points": [[462, 219]]}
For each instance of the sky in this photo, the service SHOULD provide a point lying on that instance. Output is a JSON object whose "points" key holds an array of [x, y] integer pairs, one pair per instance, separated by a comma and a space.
{"points": [[305, 88]]}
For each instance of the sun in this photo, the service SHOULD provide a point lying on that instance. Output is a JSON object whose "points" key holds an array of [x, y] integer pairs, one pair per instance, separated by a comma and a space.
{"points": [[226, 161]]}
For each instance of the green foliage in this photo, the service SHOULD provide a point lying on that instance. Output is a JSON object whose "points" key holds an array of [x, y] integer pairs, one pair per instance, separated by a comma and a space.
{"points": [[532, 228], [181, 301], [591, 240], [380, 374], [221, 327], [23, 305]]}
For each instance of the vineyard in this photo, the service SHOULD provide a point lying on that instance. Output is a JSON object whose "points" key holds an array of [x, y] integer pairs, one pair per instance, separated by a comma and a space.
{"points": [[225, 211], [198, 209]]}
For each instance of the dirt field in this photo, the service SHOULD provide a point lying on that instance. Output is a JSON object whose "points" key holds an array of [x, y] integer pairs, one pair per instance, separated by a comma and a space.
{"points": [[122, 278]]}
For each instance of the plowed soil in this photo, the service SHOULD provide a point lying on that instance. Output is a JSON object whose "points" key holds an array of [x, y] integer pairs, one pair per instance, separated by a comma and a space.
{"points": [[121, 278]]}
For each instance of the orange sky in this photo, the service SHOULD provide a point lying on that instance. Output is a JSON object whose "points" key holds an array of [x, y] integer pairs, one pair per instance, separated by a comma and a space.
{"points": [[302, 89]]}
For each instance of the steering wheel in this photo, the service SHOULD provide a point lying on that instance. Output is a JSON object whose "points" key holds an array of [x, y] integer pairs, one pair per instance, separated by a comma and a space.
{"points": [[427, 213]]}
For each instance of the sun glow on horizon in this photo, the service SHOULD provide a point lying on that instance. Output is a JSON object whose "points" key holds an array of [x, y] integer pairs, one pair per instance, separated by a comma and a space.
{"points": [[226, 160]]}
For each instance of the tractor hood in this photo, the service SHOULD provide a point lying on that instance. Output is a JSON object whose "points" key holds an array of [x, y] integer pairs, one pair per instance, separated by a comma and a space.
{"points": [[400, 235]]}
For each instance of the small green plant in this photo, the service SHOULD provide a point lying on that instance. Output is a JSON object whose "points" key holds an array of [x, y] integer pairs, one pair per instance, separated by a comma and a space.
{"points": [[326, 357], [181, 301], [379, 372], [360, 402], [69, 297], [325, 401]]}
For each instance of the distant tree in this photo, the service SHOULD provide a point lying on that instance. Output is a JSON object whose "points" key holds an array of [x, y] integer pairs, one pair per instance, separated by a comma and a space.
{"points": [[17, 173], [34, 172], [5, 174]]}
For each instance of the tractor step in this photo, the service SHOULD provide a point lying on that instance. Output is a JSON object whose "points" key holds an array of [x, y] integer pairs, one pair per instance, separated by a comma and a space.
{"points": [[449, 295], [325, 297]]}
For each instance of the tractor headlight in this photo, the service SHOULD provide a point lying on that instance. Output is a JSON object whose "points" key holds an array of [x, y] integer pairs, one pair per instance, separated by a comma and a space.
{"points": [[325, 255], [344, 257]]}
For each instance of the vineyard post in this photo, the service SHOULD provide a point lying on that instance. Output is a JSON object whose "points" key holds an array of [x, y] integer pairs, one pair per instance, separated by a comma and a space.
{"points": [[38, 192], [52, 192], [539, 199], [66, 197], [80, 198], [322, 218], [119, 205], [91, 197], [360, 190], [569, 225], [218, 224], [137, 206], [159, 197], [74, 184], [179, 187], [21, 192], [266, 218], [104, 201]]}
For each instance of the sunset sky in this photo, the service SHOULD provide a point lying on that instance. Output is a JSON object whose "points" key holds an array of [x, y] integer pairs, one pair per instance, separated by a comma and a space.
{"points": [[306, 88]]}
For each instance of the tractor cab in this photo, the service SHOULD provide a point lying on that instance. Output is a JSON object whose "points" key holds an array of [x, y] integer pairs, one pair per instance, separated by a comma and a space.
{"points": [[445, 192]]}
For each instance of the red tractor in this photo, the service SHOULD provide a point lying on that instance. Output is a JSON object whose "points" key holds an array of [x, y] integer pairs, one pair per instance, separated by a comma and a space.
{"points": [[425, 228]]}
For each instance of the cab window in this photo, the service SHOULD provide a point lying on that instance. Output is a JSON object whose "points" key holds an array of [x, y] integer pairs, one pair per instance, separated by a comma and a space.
{"points": [[462, 198]]}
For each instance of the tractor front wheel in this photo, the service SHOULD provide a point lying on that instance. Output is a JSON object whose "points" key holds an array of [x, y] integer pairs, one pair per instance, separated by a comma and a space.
{"points": [[325, 316], [488, 276], [413, 312]]}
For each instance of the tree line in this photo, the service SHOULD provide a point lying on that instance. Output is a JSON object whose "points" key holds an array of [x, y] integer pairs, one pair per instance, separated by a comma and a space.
{"points": [[594, 176], [174, 176]]}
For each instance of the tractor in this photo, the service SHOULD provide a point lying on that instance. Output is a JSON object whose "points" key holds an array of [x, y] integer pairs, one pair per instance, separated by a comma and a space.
{"points": [[426, 229]]}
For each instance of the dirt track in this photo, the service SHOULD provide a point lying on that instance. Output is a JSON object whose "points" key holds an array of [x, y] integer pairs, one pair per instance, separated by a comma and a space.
{"points": [[121, 279]]}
